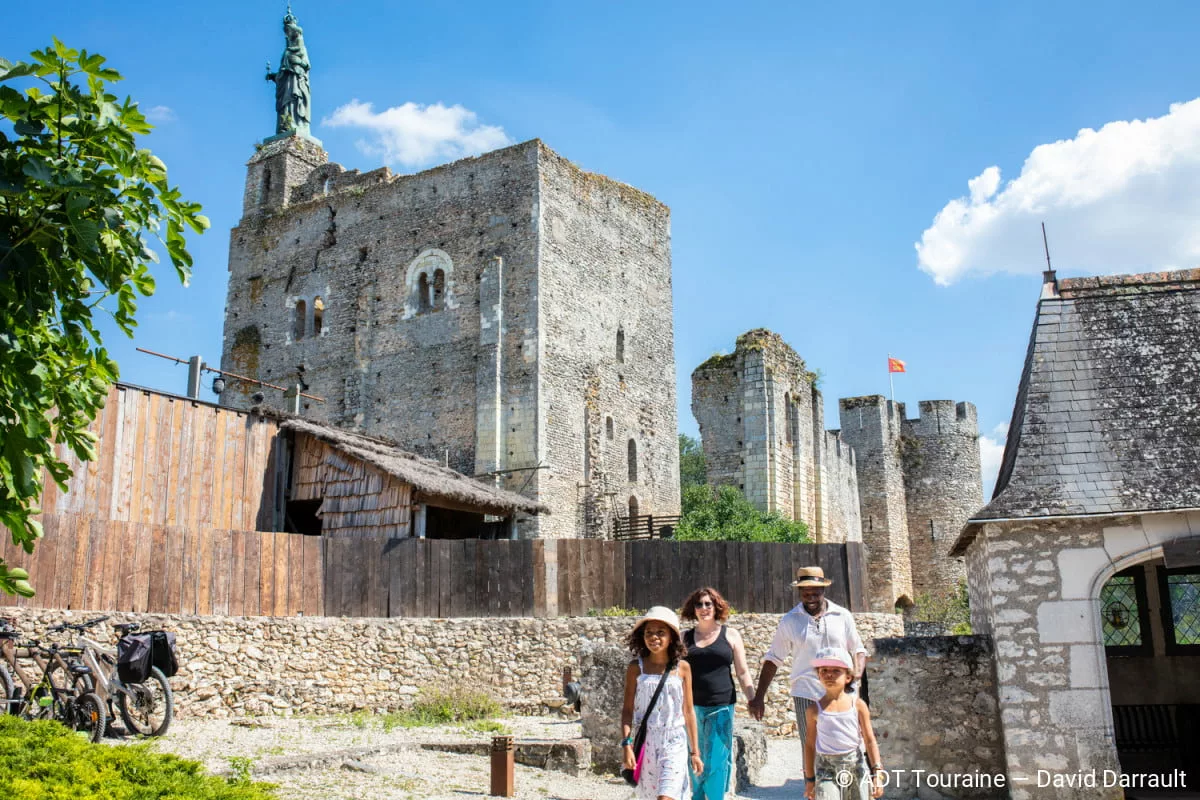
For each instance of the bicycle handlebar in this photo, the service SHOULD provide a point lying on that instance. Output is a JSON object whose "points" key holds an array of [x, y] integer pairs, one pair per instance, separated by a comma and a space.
{"points": [[78, 626]]}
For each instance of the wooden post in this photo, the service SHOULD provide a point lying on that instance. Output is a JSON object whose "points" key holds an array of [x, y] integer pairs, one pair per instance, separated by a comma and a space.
{"points": [[503, 753]]}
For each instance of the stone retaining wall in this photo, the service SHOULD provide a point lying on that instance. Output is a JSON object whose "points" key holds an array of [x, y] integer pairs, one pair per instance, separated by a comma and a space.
{"points": [[936, 717], [231, 666]]}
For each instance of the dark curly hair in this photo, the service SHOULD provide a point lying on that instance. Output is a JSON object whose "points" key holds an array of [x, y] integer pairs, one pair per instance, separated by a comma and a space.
{"points": [[637, 644], [720, 604]]}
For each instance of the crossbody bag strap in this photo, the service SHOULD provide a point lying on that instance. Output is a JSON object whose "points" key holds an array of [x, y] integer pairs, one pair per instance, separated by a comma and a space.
{"points": [[641, 734]]}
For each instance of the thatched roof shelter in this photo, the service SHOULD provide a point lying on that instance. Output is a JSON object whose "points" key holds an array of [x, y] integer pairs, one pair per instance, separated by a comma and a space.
{"points": [[427, 477]]}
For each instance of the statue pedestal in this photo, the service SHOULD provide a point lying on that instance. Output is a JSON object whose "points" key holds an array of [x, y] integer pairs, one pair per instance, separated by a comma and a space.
{"points": [[281, 136]]}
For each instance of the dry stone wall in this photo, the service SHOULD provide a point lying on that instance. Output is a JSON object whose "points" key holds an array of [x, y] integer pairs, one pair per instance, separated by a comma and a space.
{"points": [[233, 666], [934, 711]]}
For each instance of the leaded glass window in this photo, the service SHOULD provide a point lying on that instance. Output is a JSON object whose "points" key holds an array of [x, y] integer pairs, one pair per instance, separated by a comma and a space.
{"points": [[1122, 603], [1183, 596]]}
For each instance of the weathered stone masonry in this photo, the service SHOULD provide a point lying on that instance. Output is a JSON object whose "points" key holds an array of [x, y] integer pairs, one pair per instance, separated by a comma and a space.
{"points": [[319, 665], [499, 313], [762, 424], [903, 487], [919, 481]]}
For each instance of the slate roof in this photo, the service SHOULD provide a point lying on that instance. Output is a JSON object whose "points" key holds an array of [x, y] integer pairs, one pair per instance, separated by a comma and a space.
{"points": [[1107, 415], [426, 476]]}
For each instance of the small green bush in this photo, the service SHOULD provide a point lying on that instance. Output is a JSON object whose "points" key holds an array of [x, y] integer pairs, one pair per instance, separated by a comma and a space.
{"points": [[950, 608], [457, 704], [614, 611], [45, 761]]}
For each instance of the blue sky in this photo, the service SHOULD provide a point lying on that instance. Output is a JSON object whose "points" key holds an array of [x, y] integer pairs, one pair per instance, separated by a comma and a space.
{"points": [[804, 151]]}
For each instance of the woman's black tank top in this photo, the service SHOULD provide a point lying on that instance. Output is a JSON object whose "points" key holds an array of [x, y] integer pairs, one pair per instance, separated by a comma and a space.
{"points": [[712, 680]]}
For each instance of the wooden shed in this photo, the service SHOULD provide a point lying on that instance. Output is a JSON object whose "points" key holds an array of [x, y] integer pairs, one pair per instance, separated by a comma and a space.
{"points": [[346, 484]]}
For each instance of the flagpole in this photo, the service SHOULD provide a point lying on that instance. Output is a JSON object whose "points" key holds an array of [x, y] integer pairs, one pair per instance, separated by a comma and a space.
{"points": [[891, 381]]}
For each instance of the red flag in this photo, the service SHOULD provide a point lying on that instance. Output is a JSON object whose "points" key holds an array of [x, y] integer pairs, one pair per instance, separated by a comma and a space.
{"points": [[895, 365]]}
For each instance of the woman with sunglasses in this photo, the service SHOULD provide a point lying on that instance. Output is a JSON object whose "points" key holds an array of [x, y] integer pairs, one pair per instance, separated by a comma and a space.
{"points": [[715, 651]]}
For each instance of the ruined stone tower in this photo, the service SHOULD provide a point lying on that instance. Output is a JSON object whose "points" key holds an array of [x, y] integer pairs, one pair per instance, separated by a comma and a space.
{"points": [[762, 425], [919, 481], [902, 487], [509, 315]]}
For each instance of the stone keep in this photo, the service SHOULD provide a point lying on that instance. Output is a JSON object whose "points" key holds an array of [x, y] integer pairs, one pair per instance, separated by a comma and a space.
{"points": [[499, 314], [919, 481], [762, 425]]}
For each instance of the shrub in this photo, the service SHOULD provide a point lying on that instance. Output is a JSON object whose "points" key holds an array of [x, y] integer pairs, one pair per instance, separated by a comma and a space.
{"points": [[614, 611], [724, 514], [45, 761], [456, 704], [951, 609]]}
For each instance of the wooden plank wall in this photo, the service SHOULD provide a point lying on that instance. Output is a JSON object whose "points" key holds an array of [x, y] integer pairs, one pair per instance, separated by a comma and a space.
{"points": [[359, 500], [112, 565], [165, 460]]}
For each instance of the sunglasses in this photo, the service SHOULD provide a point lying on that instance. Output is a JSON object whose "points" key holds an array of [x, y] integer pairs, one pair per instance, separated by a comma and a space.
{"points": [[706, 604]]}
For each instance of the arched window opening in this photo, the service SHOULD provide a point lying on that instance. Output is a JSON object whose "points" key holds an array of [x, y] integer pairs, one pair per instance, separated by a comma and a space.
{"points": [[633, 507], [632, 461], [423, 293], [620, 345], [301, 319], [328, 187], [439, 289], [318, 315], [608, 428], [264, 188]]}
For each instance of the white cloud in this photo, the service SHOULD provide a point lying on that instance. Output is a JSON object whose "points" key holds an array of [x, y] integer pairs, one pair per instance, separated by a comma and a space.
{"points": [[991, 451], [413, 135], [160, 114], [1120, 199]]}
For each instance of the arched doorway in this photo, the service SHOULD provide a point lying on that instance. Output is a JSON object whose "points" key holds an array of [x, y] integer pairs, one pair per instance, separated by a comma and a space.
{"points": [[1148, 619]]}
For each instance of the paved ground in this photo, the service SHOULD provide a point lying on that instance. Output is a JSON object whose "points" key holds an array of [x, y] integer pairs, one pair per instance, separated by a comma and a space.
{"points": [[356, 759]]}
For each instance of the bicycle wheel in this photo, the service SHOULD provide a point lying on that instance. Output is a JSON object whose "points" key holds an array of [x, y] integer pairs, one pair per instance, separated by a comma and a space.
{"points": [[147, 708], [88, 717]]}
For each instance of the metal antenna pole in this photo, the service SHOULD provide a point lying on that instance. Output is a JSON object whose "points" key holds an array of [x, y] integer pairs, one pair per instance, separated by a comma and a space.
{"points": [[1046, 245]]}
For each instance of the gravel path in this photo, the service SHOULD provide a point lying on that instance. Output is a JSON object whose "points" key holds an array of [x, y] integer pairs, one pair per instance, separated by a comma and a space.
{"points": [[389, 765]]}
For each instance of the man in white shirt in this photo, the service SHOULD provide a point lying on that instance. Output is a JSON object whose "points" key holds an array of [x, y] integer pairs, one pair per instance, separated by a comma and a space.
{"points": [[813, 625]]}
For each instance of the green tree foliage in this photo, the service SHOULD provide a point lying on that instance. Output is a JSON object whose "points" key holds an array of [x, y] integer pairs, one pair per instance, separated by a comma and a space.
{"points": [[950, 608], [79, 204], [692, 471], [47, 761], [724, 514]]}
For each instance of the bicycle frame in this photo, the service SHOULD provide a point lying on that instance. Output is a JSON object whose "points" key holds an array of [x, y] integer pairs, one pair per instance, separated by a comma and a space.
{"points": [[108, 683]]}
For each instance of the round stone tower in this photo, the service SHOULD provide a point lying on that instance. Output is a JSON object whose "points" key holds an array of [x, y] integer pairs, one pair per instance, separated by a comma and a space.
{"points": [[943, 488]]}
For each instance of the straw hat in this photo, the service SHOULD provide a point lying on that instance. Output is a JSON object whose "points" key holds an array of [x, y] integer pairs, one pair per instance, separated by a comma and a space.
{"points": [[810, 576], [661, 614]]}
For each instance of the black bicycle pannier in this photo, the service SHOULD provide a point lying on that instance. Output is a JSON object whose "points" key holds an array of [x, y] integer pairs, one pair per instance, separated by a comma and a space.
{"points": [[164, 652], [134, 653]]}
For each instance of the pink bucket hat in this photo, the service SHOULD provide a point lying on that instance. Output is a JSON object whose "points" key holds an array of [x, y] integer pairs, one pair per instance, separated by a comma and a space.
{"points": [[833, 657]]}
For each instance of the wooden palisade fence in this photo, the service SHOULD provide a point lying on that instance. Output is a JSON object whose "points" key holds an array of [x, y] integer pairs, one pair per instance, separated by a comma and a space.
{"points": [[115, 565]]}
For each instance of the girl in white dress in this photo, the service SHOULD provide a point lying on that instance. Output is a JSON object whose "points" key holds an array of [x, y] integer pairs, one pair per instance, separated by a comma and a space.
{"points": [[671, 728]]}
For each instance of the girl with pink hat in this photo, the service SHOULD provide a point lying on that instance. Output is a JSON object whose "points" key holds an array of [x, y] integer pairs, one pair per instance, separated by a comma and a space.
{"points": [[657, 718], [841, 742]]}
